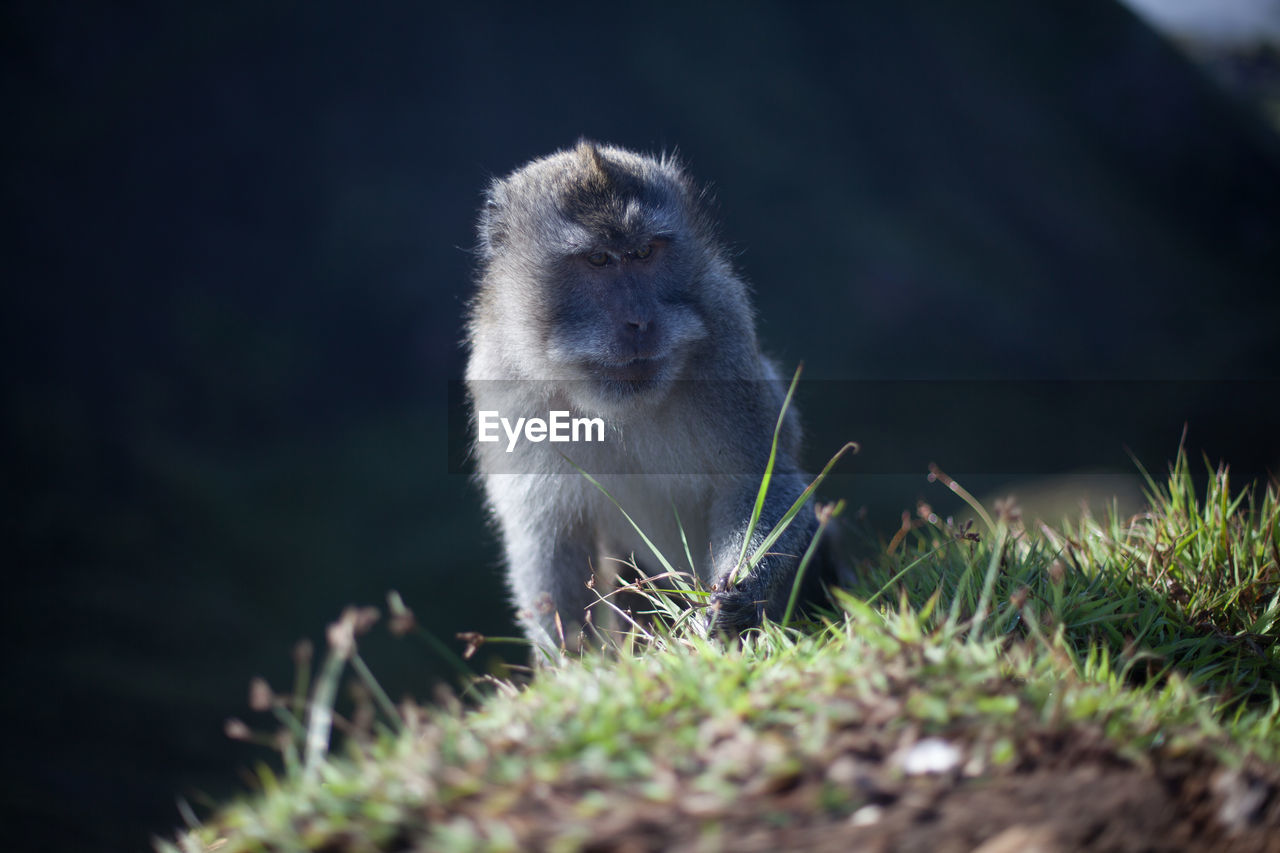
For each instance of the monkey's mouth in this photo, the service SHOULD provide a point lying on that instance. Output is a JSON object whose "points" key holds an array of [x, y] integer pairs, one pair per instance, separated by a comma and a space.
{"points": [[638, 370]]}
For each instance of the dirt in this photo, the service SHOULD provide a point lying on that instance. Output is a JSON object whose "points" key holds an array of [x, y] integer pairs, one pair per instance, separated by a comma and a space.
{"points": [[1069, 791]]}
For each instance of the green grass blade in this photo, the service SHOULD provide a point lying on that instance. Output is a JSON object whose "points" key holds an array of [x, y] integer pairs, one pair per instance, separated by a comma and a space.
{"points": [[654, 548], [785, 521], [826, 519], [764, 481]]}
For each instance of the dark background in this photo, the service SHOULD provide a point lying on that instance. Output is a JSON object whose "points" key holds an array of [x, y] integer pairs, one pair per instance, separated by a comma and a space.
{"points": [[236, 260]]}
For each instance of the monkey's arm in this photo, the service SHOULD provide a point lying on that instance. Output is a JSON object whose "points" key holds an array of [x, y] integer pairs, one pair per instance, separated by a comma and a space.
{"points": [[549, 580], [766, 588], [548, 561]]}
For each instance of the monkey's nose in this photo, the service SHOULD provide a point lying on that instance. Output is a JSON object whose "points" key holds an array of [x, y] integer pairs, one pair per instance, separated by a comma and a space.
{"points": [[639, 337]]}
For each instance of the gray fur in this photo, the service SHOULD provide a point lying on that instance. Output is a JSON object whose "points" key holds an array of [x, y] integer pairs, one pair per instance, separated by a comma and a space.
{"points": [[664, 349]]}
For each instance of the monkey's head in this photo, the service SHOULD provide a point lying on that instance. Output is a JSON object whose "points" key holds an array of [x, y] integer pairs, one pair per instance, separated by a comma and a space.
{"points": [[600, 266]]}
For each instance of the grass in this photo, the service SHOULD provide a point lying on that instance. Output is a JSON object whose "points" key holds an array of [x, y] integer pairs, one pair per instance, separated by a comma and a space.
{"points": [[986, 651], [1191, 585]]}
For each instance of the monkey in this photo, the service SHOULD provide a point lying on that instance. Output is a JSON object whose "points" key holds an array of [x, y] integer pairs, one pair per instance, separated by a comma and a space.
{"points": [[605, 293]]}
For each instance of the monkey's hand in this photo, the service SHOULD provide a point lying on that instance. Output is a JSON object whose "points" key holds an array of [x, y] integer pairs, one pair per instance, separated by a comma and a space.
{"points": [[763, 591], [742, 596], [735, 610]]}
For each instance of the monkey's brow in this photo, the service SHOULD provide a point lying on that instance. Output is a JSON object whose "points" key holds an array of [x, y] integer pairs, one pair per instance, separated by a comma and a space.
{"points": [[579, 243], [584, 240]]}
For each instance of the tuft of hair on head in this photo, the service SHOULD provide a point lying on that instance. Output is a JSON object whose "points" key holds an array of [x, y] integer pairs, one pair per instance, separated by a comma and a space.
{"points": [[596, 172], [589, 154]]}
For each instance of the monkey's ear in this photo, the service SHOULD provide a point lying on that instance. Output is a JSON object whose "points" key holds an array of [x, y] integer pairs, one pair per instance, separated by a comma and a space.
{"points": [[492, 228]]}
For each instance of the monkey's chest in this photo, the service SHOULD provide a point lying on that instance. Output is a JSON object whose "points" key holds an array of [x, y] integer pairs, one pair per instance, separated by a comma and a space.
{"points": [[671, 511]]}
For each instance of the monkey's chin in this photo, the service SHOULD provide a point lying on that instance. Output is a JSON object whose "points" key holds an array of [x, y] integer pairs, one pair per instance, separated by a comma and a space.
{"points": [[640, 380], [638, 372]]}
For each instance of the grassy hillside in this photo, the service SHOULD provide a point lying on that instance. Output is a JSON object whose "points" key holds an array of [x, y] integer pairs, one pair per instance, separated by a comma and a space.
{"points": [[1110, 683]]}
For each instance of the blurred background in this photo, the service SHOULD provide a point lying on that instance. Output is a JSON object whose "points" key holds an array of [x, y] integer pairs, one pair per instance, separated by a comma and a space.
{"points": [[1024, 241]]}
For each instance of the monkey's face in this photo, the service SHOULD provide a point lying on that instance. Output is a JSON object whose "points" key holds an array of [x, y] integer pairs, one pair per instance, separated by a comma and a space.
{"points": [[610, 258], [624, 314]]}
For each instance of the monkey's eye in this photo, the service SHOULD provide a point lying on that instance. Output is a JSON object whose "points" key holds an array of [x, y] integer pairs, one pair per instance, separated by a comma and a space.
{"points": [[598, 259], [643, 252]]}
